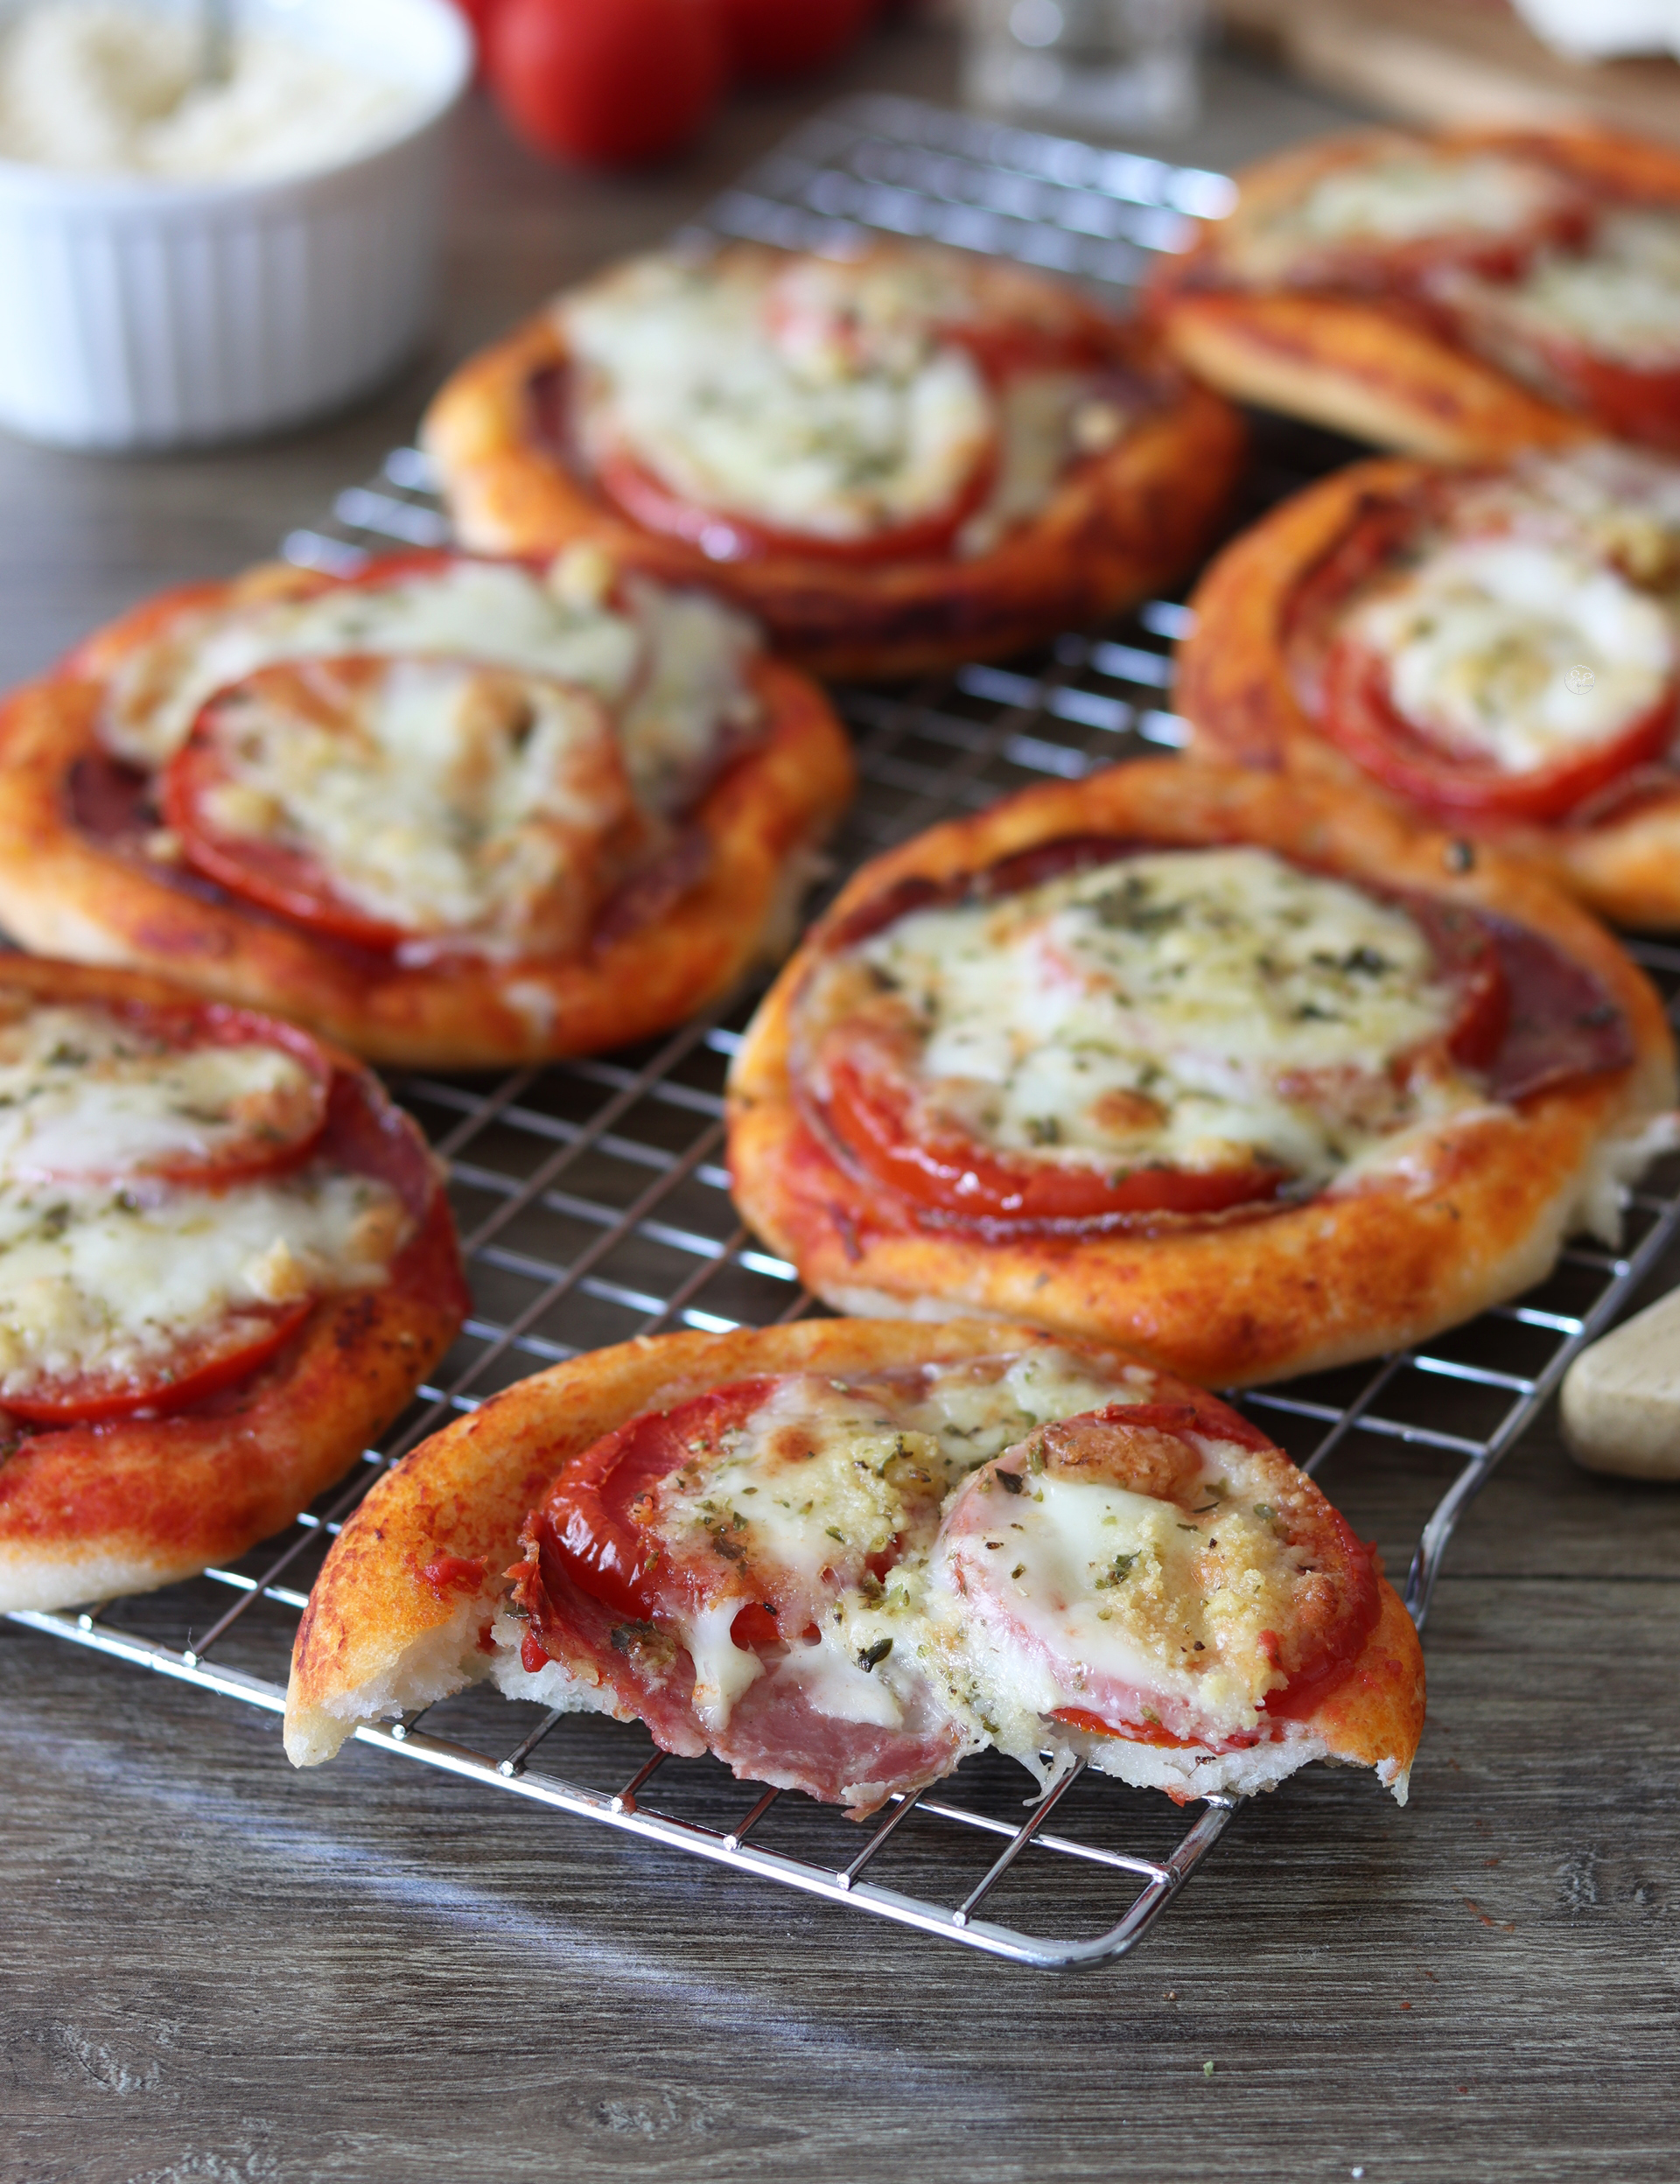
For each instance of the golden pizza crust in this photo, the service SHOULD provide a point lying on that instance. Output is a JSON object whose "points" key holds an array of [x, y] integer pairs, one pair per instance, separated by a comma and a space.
{"points": [[88, 1512], [379, 1637], [1361, 370], [1235, 687], [64, 891], [1338, 1277], [1366, 365], [1117, 526]]}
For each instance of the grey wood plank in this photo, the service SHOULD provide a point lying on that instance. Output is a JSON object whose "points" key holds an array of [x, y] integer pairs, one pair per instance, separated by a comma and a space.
{"points": [[367, 1971]]}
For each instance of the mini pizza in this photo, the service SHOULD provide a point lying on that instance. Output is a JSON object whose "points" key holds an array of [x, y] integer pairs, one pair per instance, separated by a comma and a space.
{"points": [[895, 460], [226, 1264], [1494, 649], [841, 1556], [1256, 1078], [1459, 296], [453, 813]]}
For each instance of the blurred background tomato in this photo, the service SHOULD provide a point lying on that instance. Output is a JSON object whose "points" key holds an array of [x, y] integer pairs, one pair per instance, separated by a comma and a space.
{"points": [[607, 82], [622, 83], [771, 41]]}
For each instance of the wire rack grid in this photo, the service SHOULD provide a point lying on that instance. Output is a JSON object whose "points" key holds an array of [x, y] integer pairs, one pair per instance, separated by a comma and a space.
{"points": [[593, 1206]]}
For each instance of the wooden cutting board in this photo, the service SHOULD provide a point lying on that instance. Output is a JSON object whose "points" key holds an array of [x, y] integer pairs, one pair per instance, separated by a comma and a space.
{"points": [[1454, 62]]}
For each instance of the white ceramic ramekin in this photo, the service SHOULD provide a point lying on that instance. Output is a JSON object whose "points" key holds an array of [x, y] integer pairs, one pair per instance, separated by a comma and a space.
{"points": [[136, 313]]}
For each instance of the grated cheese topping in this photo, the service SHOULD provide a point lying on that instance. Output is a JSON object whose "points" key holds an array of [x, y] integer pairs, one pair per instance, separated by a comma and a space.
{"points": [[110, 1283], [84, 1091], [672, 667], [816, 396], [440, 797], [1010, 1598], [1078, 1593], [1192, 1008], [1618, 298], [1515, 651], [1413, 195], [825, 1475], [108, 1270]]}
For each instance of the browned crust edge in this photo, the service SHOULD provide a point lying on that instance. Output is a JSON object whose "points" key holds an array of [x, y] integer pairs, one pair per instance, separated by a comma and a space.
{"points": [[1338, 1279], [467, 1491], [64, 894], [92, 1512], [1235, 687], [1361, 370], [1121, 525]]}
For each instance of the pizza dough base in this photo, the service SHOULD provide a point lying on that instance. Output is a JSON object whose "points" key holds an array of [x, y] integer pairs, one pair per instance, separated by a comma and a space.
{"points": [[377, 1639], [1337, 1278]]}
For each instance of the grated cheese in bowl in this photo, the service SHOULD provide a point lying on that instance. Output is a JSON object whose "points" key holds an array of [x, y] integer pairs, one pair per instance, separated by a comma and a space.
{"points": [[110, 87]]}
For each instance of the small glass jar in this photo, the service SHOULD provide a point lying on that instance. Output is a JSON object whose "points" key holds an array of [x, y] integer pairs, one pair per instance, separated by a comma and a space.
{"points": [[1089, 67]]}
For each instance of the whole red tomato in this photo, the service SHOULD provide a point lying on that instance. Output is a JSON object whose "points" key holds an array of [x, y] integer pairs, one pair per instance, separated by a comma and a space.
{"points": [[771, 40], [608, 83], [477, 14]]}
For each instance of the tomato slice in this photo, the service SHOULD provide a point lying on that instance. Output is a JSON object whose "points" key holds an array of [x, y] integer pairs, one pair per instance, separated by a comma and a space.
{"points": [[1379, 530], [872, 1110], [1149, 1733], [1417, 264], [874, 1115], [1631, 403], [1360, 717], [596, 1531], [274, 876], [1005, 347], [278, 1129], [722, 536], [235, 1351]]}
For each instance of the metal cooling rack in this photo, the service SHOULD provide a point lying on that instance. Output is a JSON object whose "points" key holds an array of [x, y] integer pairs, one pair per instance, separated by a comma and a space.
{"points": [[593, 1206]]}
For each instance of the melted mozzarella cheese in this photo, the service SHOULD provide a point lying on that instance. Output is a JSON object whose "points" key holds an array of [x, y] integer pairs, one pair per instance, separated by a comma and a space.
{"points": [[108, 1284], [82, 1092], [438, 796], [723, 1670], [1487, 640], [1079, 1593], [1006, 1603], [1619, 298], [1044, 419], [691, 698], [673, 665], [1615, 505], [971, 1413], [1187, 1007], [1410, 197], [817, 400], [802, 1486], [825, 1475]]}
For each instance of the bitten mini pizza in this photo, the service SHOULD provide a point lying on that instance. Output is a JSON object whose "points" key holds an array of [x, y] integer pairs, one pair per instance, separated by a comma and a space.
{"points": [[226, 1263], [449, 812], [893, 460], [1254, 1077], [843, 1555], [1496, 650], [1459, 296]]}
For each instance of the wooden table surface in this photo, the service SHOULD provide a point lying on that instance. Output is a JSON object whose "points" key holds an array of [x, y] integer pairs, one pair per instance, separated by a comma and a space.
{"points": [[217, 1969]]}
